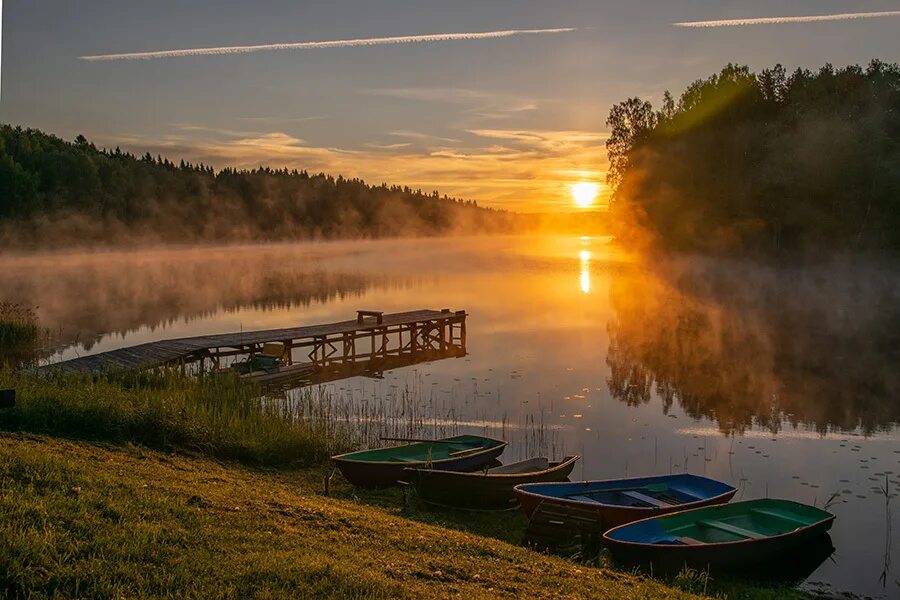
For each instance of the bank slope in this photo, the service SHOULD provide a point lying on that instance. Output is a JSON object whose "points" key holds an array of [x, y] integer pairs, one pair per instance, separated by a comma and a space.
{"points": [[94, 521]]}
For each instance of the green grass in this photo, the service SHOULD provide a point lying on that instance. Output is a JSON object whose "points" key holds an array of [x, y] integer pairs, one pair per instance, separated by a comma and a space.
{"points": [[220, 417], [20, 334], [15, 335], [83, 520]]}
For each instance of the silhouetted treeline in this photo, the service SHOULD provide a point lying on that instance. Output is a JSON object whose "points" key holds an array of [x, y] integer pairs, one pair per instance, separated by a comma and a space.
{"points": [[766, 163], [56, 193]]}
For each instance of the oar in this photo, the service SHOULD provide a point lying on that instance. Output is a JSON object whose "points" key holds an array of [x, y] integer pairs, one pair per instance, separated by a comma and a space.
{"points": [[650, 487], [417, 441], [458, 452]]}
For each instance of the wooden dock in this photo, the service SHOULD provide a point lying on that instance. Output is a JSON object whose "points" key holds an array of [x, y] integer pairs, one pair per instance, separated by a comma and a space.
{"points": [[371, 336]]}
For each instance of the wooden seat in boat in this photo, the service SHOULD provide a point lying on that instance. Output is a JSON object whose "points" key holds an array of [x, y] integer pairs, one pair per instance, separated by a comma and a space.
{"points": [[775, 515], [733, 529], [646, 499]]}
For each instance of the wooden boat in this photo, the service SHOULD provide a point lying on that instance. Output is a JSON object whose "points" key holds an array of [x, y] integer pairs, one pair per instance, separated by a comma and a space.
{"points": [[736, 536], [384, 466], [490, 489], [618, 501]]}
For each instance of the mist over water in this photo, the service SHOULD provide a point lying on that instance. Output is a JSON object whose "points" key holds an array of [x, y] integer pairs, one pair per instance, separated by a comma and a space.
{"points": [[780, 381]]}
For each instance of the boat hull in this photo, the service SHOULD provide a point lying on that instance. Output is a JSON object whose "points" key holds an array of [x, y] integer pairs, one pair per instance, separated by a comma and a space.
{"points": [[480, 491], [374, 474], [613, 515], [733, 555]]}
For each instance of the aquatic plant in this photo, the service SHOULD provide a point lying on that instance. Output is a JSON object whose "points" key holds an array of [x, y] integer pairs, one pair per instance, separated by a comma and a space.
{"points": [[217, 416], [20, 333]]}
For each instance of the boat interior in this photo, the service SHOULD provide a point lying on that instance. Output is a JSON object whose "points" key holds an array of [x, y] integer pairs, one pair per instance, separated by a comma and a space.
{"points": [[650, 492], [540, 463], [752, 520], [456, 447]]}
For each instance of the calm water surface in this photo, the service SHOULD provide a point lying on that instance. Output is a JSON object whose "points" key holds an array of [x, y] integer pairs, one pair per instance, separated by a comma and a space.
{"points": [[781, 382]]}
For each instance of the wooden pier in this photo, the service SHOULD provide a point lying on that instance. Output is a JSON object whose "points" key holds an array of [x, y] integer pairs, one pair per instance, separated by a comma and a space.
{"points": [[372, 337]]}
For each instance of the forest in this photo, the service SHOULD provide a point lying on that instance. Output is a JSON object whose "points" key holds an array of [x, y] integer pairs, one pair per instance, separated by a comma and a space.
{"points": [[55, 193], [762, 164]]}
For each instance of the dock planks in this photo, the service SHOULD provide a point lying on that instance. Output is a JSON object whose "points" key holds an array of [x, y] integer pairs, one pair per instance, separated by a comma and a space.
{"points": [[164, 352]]}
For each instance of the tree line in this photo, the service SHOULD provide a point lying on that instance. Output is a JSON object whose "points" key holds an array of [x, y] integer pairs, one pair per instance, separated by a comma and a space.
{"points": [[766, 163], [58, 193]]}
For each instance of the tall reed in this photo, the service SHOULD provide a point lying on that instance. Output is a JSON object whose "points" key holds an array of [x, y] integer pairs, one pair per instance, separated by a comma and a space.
{"points": [[219, 416], [20, 334]]}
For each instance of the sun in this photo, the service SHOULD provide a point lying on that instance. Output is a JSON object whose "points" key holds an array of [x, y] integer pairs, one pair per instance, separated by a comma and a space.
{"points": [[585, 193]]}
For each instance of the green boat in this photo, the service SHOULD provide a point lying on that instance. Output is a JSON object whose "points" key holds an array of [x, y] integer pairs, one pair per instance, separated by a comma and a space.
{"points": [[732, 536], [384, 466]]}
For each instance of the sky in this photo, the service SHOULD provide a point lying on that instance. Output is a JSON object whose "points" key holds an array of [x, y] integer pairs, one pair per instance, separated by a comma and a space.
{"points": [[512, 117]]}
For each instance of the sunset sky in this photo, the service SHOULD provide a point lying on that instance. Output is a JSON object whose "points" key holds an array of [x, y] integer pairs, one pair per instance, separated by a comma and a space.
{"points": [[512, 118]]}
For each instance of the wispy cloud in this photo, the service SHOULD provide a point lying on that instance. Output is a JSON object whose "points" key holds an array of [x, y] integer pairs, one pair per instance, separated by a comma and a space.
{"points": [[526, 170], [782, 20], [482, 103], [405, 39]]}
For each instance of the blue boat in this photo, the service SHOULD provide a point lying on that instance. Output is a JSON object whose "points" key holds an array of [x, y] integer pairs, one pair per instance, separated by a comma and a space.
{"points": [[619, 501]]}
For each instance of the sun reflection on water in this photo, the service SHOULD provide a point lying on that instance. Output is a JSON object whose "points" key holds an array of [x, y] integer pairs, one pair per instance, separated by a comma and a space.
{"points": [[585, 256]]}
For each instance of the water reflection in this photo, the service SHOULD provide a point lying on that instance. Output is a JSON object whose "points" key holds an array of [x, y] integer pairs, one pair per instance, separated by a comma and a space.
{"points": [[82, 298], [749, 346], [754, 353], [585, 256]]}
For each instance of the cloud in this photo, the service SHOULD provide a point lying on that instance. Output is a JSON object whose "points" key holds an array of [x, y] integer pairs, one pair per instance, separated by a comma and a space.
{"points": [[419, 136], [782, 20], [546, 141], [405, 39], [483, 104], [523, 170]]}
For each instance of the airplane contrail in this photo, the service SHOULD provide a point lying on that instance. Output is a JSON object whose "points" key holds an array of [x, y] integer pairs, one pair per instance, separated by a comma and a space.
{"points": [[405, 39], [780, 20]]}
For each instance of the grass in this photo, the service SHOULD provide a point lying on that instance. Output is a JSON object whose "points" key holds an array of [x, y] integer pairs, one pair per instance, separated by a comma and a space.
{"points": [[83, 520], [220, 417], [19, 333]]}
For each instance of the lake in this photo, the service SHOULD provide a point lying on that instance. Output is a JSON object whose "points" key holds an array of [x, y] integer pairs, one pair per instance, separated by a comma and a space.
{"points": [[782, 382]]}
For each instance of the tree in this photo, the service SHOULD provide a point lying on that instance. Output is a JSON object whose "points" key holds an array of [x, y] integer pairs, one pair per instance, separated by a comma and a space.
{"points": [[629, 122], [764, 163]]}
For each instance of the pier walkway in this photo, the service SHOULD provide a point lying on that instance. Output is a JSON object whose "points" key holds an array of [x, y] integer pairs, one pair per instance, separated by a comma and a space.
{"points": [[371, 336]]}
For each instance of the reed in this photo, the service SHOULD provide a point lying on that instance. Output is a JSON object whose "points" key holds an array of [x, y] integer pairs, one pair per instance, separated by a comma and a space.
{"points": [[367, 414], [217, 416], [20, 334]]}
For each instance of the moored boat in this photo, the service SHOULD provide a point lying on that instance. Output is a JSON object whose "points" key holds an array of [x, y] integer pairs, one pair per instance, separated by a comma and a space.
{"points": [[384, 466], [732, 536], [619, 501], [489, 489]]}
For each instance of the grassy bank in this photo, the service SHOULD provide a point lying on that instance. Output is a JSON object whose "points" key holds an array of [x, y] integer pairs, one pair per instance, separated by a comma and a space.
{"points": [[91, 521], [220, 417]]}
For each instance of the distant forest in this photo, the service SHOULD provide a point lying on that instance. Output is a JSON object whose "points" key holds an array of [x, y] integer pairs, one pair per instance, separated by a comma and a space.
{"points": [[55, 193], [762, 164]]}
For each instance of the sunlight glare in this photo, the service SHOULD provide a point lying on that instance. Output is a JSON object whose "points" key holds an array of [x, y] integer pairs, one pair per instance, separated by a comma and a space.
{"points": [[585, 193], [585, 257]]}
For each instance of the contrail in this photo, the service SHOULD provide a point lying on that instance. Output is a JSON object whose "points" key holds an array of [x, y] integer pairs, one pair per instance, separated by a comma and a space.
{"points": [[780, 20], [405, 39]]}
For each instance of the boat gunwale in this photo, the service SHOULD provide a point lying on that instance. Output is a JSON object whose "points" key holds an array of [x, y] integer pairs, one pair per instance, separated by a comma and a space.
{"points": [[569, 460], [707, 545], [344, 457], [599, 505]]}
